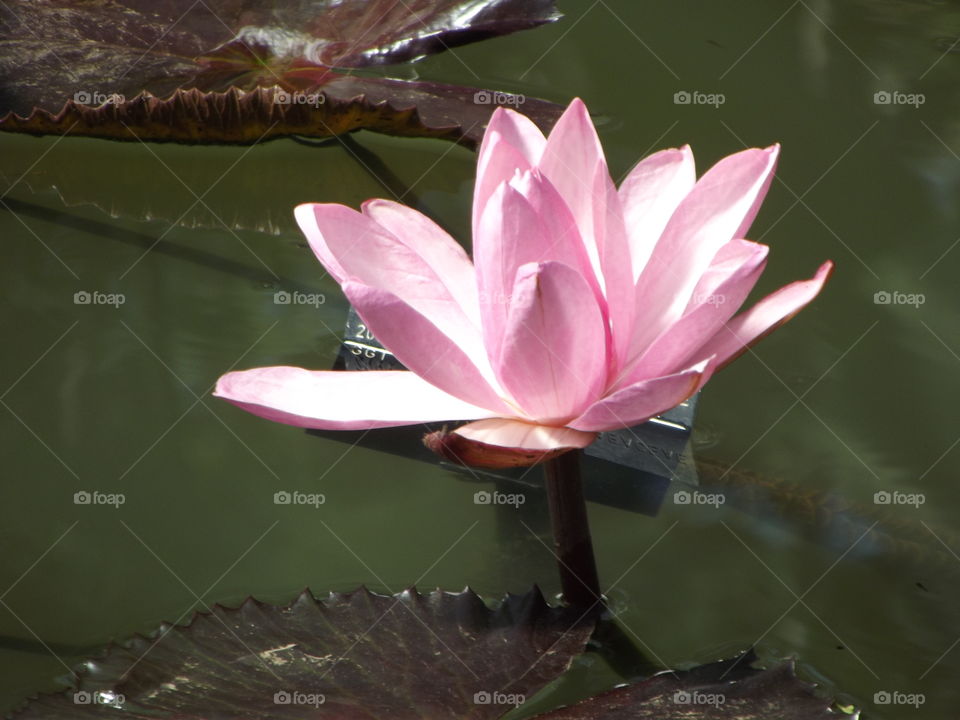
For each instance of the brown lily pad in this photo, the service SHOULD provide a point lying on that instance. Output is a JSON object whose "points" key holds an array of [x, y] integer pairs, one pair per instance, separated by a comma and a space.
{"points": [[357, 655], [213, 71]]}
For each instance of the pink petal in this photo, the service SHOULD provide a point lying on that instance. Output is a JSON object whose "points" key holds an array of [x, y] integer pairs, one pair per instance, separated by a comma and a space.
{"points": [[444, 255], [719, 294], [750, 326], [525, 221], [417, 264], [553, 359], [422, 347], [331, 400], [641, 401], [717, 210], [650, 194], [509, 433], [571, 160], [574, 163], [511, 143], [519, 131], [613, 247]]}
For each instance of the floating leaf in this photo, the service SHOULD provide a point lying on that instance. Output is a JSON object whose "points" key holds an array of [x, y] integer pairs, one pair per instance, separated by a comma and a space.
{"points": [[396, 107], [358, 655], [120, 64], [729, 689]]}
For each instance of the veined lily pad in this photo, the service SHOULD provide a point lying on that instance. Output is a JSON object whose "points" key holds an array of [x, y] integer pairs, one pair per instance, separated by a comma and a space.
{"points": [[114, 69], [357, 655]]}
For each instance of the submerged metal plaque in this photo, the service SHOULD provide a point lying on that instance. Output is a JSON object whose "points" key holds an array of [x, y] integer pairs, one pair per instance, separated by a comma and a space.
{"points": [[629, 468]]}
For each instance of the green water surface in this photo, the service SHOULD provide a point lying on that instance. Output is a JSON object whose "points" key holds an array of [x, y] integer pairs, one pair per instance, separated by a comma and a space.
{"points": [[852, 398]]}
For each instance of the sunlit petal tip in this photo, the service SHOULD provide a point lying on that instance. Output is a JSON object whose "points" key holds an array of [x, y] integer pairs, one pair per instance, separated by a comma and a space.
{"points": [[341, 400], [576, 118], [505, 442]]}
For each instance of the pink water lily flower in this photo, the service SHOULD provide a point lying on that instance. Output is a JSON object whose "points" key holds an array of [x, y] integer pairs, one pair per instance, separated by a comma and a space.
{"points": [[586, 307]]}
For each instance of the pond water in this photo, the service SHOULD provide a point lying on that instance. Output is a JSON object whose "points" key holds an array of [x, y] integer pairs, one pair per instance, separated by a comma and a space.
{"points": [[854, 397]]}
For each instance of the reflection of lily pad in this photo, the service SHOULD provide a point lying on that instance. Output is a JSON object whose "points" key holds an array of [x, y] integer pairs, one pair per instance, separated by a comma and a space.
{"points": [[358, 655], [725, 690], [113, 69]]}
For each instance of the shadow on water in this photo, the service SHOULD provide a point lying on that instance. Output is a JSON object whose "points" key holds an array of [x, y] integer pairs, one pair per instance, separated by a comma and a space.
{"points": [[107, 231]]}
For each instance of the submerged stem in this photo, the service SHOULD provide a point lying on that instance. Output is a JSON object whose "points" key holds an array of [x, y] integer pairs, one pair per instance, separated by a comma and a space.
{"points": [[571, 531]]}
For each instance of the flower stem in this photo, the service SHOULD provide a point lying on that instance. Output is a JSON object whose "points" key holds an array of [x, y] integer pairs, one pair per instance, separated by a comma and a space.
{"points": [[571, 531]]}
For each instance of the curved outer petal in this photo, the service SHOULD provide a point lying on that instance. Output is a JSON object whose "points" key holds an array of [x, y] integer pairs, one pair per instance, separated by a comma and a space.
{"points": [[723, 202], [720, 292], [650, 194], [511, 142], [421, 346], [334, 400], [754, 324], [530, 437], [552, 360], [641, 401], [525, 221], [417, 265]]}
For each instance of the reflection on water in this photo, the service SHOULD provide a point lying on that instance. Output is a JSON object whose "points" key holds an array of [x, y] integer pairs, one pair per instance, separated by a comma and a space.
{"points": [[852, 399]]}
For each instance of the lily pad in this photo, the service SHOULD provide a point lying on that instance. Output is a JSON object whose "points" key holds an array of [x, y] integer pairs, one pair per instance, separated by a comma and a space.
{"points": [[358, 655], [240, 70]]}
